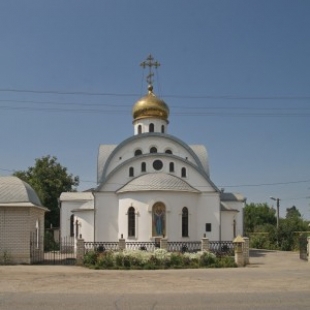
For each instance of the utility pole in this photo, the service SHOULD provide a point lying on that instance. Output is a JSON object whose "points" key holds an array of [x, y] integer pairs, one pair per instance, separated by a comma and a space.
{"points": [[278, 208]]}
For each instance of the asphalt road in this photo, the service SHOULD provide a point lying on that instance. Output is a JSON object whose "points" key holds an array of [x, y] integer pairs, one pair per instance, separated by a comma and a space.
{"points": [[273, 280]]}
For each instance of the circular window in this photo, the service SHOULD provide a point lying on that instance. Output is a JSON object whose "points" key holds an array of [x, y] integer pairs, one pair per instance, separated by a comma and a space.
{"points": [[157, 164]]}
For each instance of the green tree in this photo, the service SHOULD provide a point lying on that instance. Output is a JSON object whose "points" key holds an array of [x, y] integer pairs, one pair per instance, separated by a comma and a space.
{"points": [[49, 179], [292, 212], [257, 216]]}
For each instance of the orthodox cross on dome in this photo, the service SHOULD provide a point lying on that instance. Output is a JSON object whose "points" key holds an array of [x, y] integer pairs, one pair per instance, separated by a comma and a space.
{"points": [[149, 62]]}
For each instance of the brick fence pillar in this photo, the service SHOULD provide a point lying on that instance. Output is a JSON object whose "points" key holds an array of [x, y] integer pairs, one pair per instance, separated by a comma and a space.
{"points": [[205, 244], [164, 244], [239, 256], [246, 250], [80, 251], [121, 244]]}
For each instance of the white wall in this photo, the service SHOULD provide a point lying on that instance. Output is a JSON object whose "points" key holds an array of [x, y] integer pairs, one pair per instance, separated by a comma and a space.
{"points": [[66, 211], [202, 209], [106, 223]]}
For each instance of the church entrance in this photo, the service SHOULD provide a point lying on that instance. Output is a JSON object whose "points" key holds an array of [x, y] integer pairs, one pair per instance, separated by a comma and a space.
{"points": [[159, 220]]}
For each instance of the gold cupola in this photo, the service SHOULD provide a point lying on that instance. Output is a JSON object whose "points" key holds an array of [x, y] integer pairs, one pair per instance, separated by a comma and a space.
{"points": [[150, 106]]}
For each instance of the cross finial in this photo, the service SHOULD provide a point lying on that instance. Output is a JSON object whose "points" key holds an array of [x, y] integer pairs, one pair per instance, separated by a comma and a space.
{"points": [[149, 62]]}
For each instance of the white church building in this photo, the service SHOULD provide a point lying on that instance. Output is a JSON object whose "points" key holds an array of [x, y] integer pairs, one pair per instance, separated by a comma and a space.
{"points": [[152, 185]]}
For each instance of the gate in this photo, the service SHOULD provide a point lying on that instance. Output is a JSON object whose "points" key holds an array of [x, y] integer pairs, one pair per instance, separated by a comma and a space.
{"points": [[303, 247], [60, 252]]}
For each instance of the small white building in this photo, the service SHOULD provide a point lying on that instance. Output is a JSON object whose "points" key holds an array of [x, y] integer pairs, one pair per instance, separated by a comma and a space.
{"points": [[21, 222], [152, 185]]}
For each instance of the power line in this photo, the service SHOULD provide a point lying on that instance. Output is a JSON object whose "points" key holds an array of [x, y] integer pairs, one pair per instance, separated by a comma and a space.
{"points": [[230, 97]]}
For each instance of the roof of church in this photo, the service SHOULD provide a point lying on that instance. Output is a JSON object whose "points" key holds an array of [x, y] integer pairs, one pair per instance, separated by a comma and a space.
{"points": [[232, 197], [15, 192], [157, 181], [106, 153]]}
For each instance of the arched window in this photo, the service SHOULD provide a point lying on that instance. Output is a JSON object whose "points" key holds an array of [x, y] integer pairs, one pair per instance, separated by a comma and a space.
{"points": [[153, 149], [168, 151], [171, 167], [131, 222], [162, 129], [139, 129], [151, 127], [143, 167], [131, 172], [76, 229], [37, 234], [159, 219], [183, 172], [138, 152], [72, 225], [184, 222]]}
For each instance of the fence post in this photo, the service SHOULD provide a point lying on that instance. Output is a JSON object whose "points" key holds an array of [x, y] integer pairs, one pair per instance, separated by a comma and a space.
{"points": [[239, 257], [121, 244], [246, 250], [164, 244], [80, 251], [205, 244]]}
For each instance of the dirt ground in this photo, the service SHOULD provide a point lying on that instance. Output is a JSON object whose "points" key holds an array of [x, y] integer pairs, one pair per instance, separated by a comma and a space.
{"points": [[270, 274]]}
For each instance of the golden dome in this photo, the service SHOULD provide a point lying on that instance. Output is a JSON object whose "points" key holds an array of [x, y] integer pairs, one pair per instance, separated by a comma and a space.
{"points": [[150, 106]]}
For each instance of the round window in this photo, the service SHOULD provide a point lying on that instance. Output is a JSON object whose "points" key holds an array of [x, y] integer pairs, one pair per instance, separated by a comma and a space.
{"points": [[157, 164]]}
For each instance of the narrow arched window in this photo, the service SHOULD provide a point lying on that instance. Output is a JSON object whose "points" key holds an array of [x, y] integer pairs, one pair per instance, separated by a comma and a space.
{"points": [[162, 129], [171, 167], [37, 234], [153, 149], [184, 222], [76, 229], [168, 151], [138, 152], [143, 167], [151, 127], [183, 172], [72, 225], [131, 222], [139, 129], [131, 172]]}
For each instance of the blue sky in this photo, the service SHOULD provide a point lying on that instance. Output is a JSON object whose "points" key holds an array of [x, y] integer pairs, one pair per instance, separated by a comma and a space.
{"points": [[235, 75]]}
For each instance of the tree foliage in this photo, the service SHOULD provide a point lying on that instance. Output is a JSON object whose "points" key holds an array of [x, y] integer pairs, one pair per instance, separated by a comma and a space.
{"points": [[256, 216], [260, 224], [49, 179]]}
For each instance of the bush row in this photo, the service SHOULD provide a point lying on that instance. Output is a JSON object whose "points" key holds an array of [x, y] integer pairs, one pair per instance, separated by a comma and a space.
{"points": [[159, 259]]}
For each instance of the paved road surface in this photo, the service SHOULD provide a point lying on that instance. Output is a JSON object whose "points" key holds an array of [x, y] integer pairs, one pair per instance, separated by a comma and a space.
{"points": [[273, 280]]}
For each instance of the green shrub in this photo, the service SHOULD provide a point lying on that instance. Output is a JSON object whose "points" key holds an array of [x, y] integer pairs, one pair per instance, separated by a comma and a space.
{"points": [[105, 260], [159, 259], [90, 258], [207, 259]]}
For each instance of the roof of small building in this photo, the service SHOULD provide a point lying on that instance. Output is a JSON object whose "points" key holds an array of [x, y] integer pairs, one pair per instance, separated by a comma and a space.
{"points": [[157, 181], [69, 196], [227, 208], [232, 197], [16, 193]]}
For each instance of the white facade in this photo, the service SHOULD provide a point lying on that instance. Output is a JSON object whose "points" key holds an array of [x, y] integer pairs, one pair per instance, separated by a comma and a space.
{"points": [[152, 185]]}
